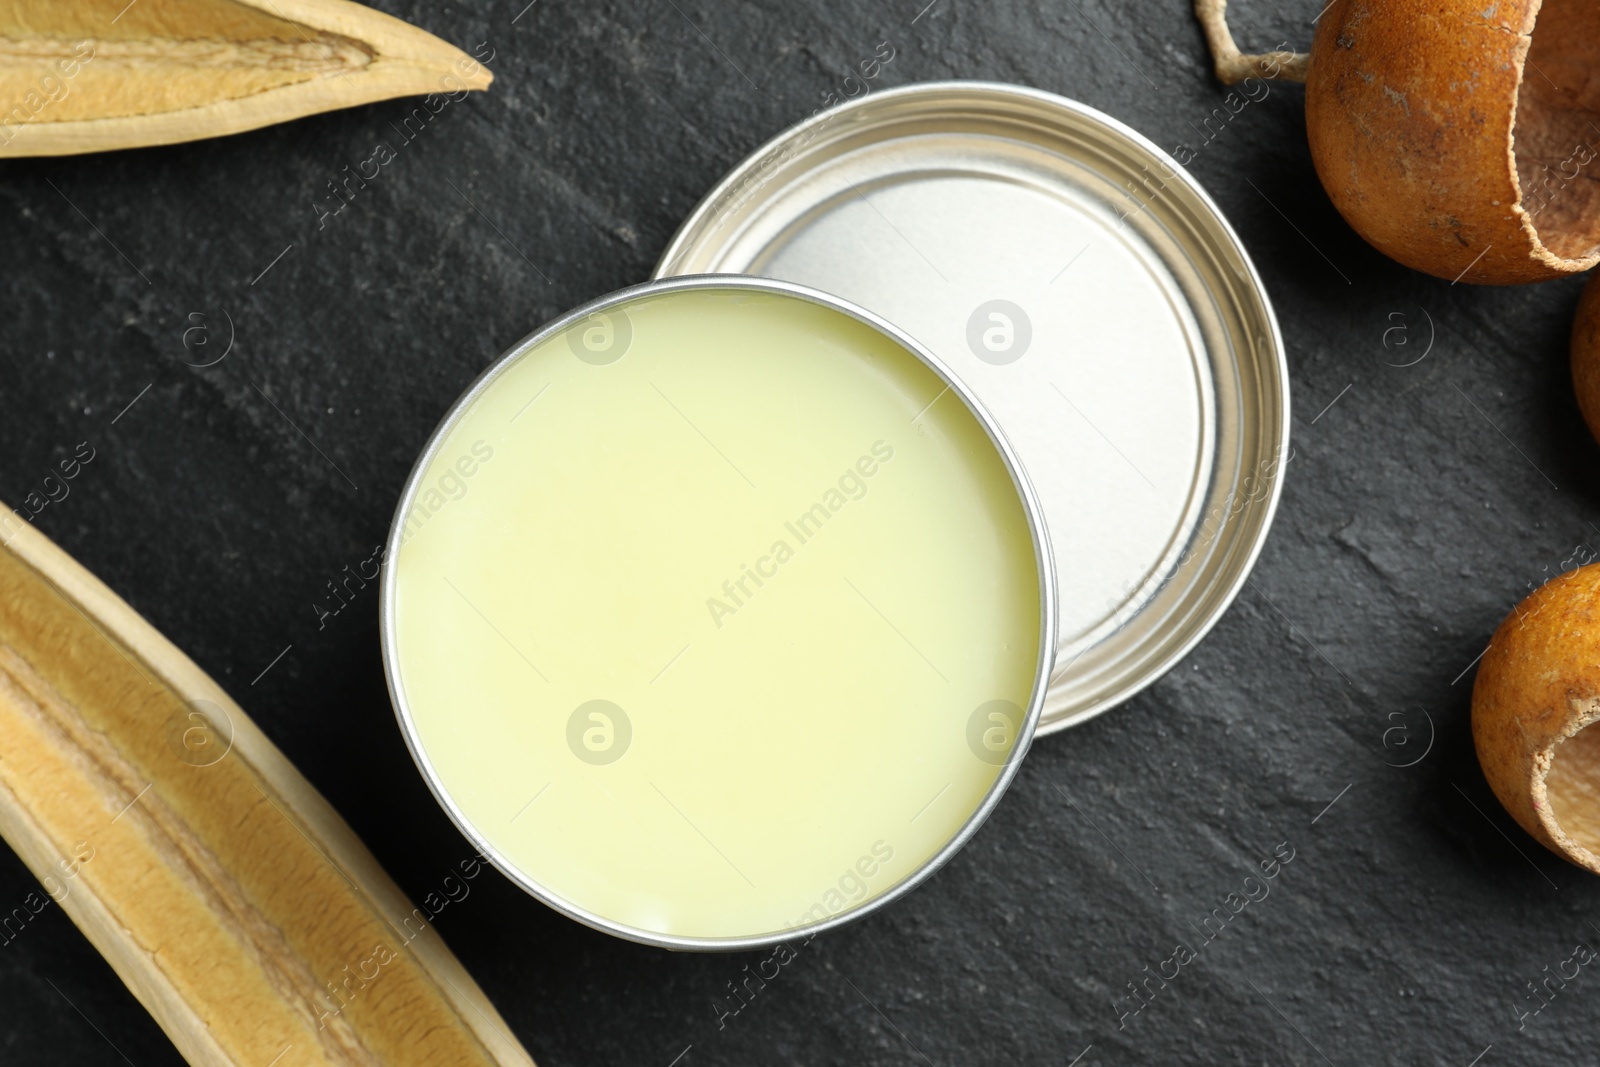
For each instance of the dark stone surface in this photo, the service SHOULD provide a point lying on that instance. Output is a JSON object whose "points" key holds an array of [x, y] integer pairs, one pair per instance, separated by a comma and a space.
{"points": [[1417, 510]]}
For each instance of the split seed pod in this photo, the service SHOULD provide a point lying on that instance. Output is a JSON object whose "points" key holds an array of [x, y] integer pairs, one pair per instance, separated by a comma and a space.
{"points": [[91, 75], [1459, 138], [1534, 704]]}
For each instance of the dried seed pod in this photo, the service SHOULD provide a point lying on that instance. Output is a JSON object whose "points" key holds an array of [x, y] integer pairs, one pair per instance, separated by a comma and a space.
{"points": [[1533, 705], [93, 75], [1460, 139], [236, 904]]}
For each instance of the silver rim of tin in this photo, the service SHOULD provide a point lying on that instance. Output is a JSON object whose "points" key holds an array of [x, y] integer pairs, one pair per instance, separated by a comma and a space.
{"points": [[1042, 560], [1244, 319]]}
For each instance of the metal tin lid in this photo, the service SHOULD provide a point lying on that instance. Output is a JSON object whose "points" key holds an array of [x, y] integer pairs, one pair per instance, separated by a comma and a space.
{"points": [[1091, 295]]}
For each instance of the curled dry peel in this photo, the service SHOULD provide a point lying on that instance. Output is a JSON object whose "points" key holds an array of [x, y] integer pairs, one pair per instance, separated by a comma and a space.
{"points": [[90, 75], [1461, 139], [1534, 704]]}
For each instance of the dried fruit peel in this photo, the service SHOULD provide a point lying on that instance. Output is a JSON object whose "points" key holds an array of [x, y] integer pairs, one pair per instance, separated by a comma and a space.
{"points": [[1459, 139], [104, 74], [1431, 127], [1535, 699], [1586, 356]]}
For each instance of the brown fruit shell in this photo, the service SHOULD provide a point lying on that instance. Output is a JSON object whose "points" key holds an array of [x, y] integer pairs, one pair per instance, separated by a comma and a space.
{"points": [[1586, 356], [1410, 111], [1538, 687]]}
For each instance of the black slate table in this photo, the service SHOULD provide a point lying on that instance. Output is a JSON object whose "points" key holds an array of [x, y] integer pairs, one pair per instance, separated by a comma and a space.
{"points": [[1422, 501]]}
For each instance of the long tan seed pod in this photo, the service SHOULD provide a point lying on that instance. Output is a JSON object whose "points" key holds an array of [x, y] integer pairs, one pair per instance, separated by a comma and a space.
{"points": [[92, 75], [233, 901]]}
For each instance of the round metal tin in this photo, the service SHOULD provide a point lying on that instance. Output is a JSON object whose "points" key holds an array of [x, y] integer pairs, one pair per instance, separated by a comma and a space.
{"points": [[1091, 295], [578, 319]]}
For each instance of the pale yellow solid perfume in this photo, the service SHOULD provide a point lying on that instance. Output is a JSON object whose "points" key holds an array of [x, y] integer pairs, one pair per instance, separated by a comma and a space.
{"points": [[715, 614]]}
